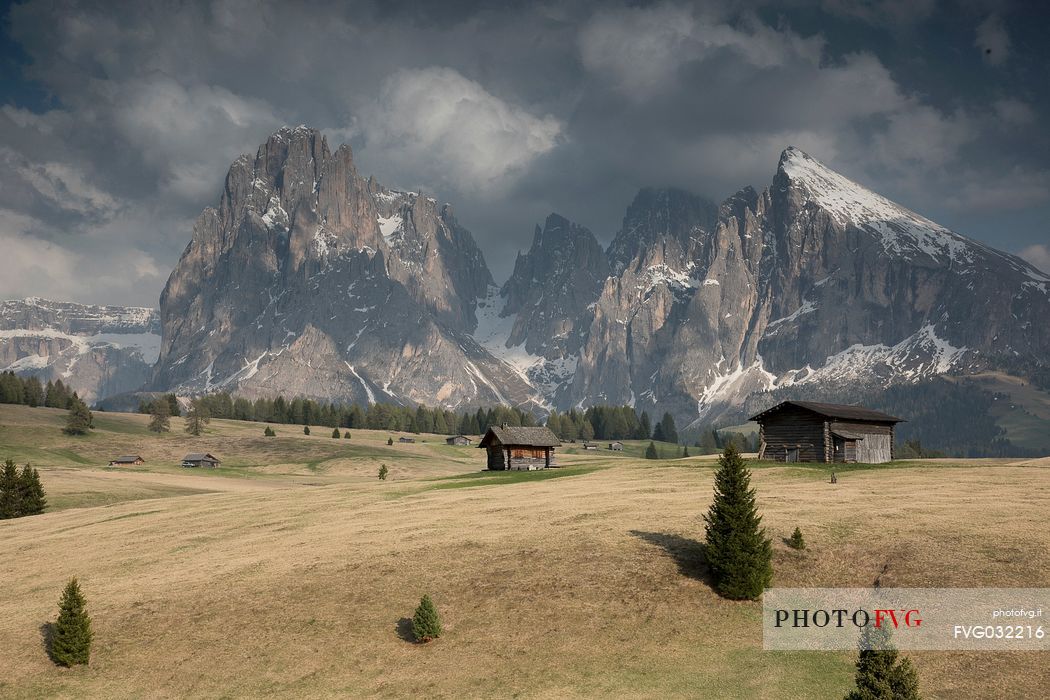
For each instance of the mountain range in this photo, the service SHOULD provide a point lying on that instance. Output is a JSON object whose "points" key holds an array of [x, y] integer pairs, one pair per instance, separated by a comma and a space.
{"points": [[310, 279]]}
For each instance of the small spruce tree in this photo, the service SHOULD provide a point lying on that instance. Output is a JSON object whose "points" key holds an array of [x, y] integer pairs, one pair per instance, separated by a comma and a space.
{"points": [[650, 451], [79, 421], [880, 675], [383, 471], [31, 492], [197, 416], [71, 633], [10, 492], [426, 625], [306, 430], [796, 541], [160, 416], [335, 433], [738, 551], [269, 432], [346, 435], [389, 441], [685, 450]]}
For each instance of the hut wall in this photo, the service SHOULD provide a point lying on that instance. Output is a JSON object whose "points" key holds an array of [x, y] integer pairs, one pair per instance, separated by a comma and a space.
{"points": [[877, 445], [496, 457], [793, 427]]}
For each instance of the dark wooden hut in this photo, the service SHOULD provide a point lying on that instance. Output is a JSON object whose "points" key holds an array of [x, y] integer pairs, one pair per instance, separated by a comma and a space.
{"points": [[458, 440], [126, 460], [806, 431], [519, 448], [200, 459]]}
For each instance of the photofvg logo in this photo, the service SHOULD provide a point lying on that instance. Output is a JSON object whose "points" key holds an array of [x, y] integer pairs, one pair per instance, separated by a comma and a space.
{"points": [[907, 618]]}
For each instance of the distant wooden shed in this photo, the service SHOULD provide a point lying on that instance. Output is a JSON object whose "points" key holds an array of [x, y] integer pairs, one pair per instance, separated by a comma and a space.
{"points": [[126, 460], [590, 446], [200, 459], [524, 449], [616, 446], [406, 439], [807, 431], [458, 440]]}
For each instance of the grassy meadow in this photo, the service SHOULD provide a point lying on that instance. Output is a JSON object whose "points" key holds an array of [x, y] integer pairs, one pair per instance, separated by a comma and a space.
{"points": [[291, 571]]}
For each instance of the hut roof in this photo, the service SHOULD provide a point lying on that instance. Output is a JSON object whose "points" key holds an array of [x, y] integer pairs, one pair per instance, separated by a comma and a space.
{"points": [[128, 458], [834, 410], [532, 436], [200, 457]]}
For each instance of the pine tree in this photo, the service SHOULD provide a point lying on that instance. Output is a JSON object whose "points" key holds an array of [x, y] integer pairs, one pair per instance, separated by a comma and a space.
{"points": [[197, 416], [160, 416], [796, 541], [389, 441], [335, 433], [383, 471], [685, 450], [668, 429], [71, 633], [346, 435], [269, 432], [650, 451], [644, 426], [79, 421], [31, 495], [738, 551], [880, 676], [10, 493], [306, 430], [426, 625]]}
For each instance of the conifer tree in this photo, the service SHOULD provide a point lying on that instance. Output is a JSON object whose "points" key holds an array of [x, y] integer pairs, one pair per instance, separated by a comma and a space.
{"points": [[346, 434], [880, 676], [31, 495], [10, 493], [383, 471], [197, 416], [650, 451], [389, 441], [685, 450], [160, 416], [796, 541], [426, 625], [71, 633], [335, 433], [306, 430], [269, 432], [738, 551], [79, 421]]}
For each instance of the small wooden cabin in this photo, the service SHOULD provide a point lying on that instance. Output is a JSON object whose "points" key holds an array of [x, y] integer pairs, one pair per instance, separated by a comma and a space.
{"points": [[519, 448], [406, 439], [126, 460], [458, 440], [590, 446], [200, 459], [616, 446], [806, 431]]}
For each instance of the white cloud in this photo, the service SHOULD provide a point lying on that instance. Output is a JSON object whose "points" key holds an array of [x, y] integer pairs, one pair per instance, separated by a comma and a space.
{"points": [[445, 128], [640, 49], [1014, 112], [993, 40], [1037, 254]]}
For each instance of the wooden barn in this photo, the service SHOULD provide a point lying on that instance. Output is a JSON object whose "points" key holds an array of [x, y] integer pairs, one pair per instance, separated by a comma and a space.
{"points": [[200, 459], [616, 446], [806, 431], [458, 440], [126, 460], [406, 440], [524, 449]]}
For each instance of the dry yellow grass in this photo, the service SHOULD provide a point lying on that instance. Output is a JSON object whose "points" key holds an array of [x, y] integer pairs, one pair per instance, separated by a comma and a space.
{"points": [[582, 586]]}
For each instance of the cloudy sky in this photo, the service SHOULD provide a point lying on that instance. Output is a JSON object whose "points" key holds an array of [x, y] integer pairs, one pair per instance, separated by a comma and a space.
{"points": [[118, 120]]}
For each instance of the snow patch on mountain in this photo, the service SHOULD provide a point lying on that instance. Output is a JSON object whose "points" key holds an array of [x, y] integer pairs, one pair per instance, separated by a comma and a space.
{"points": [[902, 231]]}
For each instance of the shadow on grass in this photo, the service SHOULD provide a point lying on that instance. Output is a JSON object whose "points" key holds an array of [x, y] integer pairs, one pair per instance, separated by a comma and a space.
{"points": [[404, 630], [687, 553], [47, 631]]}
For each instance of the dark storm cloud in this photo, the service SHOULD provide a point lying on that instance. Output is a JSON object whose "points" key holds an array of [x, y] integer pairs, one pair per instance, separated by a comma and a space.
{"points": [[509, 112]]}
